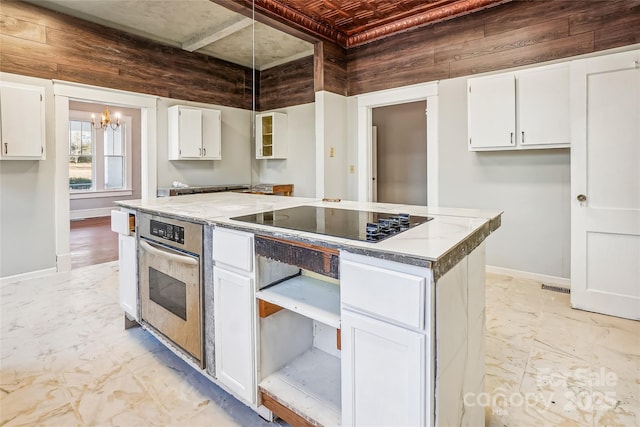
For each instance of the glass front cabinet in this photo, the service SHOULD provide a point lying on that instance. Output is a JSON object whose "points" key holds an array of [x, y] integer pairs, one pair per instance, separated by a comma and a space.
{"points": [[271, 136]]}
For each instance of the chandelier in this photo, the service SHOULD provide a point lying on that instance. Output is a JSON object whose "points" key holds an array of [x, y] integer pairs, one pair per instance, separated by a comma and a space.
{"points": [[105, 120]]}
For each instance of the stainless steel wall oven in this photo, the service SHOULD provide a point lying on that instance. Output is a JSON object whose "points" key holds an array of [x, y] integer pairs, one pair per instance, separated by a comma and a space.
{"points": [[170, 281]]}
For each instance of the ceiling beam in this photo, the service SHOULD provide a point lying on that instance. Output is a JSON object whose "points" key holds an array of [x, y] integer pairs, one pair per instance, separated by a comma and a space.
{"points": [[214, 34], [246, 8], [286, 60]]}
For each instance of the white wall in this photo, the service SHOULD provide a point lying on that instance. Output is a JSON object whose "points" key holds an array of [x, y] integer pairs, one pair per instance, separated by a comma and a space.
{"points": [[235, 166], [27, 188], [299, 167], [331, 145], [532, 187], [27, 210]]}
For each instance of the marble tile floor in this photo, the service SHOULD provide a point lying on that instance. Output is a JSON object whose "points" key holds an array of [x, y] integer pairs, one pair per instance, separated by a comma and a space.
{"points": [[66, 360], [550, 365]]}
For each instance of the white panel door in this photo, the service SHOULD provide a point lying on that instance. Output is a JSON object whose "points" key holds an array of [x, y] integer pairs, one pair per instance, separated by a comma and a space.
{"points": [[605, 182], [492, 112], [383, 374], [190, 133], [234, 333]]}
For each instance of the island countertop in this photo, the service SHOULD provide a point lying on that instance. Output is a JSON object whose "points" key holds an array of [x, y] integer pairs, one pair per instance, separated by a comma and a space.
{"points": [[438, 244]]}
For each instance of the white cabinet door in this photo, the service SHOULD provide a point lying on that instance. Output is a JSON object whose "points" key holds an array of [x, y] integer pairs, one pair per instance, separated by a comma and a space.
{"points": [[23, 122], [128, 275], [492, 112], [605, 185], [383, 374], [211, 134], [234, 333], [190, 125], [544, 106]]}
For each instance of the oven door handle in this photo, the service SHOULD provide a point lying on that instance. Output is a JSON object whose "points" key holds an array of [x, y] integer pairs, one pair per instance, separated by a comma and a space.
{"points": [[184, 259]]}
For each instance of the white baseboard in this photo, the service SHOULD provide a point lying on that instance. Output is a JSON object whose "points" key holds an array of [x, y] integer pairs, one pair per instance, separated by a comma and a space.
{"points": [[562, 282], [90, 213], [27, 276]]}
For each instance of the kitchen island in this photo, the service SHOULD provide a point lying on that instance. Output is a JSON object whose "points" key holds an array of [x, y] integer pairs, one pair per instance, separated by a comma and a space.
{"points": [[325, 330]]}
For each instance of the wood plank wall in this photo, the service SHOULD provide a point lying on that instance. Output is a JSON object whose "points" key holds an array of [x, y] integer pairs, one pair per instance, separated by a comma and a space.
{"points": [[330, 63], [41, 43], [37, 42], [510, 35], [286, 85]]}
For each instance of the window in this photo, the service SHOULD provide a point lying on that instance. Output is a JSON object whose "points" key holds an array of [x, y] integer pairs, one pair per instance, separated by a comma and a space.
{"points": [[114, 159], [99, 160], [81, 143]]}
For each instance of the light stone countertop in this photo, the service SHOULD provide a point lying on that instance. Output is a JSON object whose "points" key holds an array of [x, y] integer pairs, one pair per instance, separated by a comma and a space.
{"points": [[438, 244]]}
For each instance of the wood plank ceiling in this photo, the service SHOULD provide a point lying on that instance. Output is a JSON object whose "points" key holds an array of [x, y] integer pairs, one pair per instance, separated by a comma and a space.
{"points": [[351, 23]]}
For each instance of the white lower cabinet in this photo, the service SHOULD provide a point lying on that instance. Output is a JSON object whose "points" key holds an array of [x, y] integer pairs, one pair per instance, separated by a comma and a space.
{"points": [[234, 352], [383, 378], [128, 275], [387, 351], [123, 222]]}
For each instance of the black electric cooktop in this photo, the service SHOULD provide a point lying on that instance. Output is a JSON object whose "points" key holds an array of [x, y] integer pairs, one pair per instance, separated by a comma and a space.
{"points": [[366, 226]]}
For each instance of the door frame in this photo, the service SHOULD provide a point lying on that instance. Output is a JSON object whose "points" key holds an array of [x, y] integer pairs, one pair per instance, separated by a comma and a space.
{"points": [[422, 92], [63, 93]]}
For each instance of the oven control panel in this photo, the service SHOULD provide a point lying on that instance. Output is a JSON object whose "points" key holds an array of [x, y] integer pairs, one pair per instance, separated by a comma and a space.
{"points": [[171, 232]]}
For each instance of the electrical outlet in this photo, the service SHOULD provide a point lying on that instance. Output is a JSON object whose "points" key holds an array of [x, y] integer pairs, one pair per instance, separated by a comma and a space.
{"points": [[331, 152]]}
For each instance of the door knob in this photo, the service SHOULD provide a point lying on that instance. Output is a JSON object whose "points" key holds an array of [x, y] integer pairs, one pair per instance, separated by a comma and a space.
{"points": [[581, 198]]}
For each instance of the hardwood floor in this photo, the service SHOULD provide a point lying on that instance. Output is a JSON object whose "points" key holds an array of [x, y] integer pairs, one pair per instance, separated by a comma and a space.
{"points": [[92, 242]]}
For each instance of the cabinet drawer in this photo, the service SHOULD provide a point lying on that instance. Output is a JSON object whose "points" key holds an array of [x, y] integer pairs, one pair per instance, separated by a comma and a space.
{"points": [[233, 248], [384, 293]]}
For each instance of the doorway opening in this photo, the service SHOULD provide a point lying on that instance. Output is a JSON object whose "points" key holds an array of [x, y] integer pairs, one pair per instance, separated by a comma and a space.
{"points": [[65, 97], [366, 103], [399, 153], [104, 166]]}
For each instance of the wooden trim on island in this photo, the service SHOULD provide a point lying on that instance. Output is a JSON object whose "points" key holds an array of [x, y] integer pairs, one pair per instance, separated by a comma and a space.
{"points": [[318, 259], [266, 309], [282, 411]]}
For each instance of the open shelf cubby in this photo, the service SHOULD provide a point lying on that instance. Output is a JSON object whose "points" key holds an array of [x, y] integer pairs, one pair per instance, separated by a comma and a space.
{"points": [[308, 386], [299, 362], [314, 298]]}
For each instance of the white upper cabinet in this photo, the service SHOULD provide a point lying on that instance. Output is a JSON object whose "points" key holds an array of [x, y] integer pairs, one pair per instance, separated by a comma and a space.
{"points": [[22, 114], [492, 112], [544, 106], [271, 136], [520, 110], [194, 133]]}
